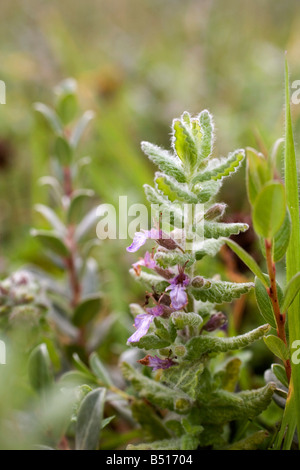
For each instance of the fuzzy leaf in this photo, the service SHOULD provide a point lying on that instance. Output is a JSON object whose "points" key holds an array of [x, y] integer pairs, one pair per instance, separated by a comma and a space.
{"points": [[149, 421], [220, 291], [231, 374], [220, 168], [166, 162], [150, 280], [184, 143], [185, 377], [252, 442], [172, 258], [224, 406], [209, 247], [218, 229], [155, 392], [200, 345], [166, 444], [174, 190], [205, 191], [181, 319], [207, 131]]}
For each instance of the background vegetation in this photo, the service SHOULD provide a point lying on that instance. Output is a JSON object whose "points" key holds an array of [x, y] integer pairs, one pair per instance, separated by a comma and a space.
{"points": [[138, 64]]}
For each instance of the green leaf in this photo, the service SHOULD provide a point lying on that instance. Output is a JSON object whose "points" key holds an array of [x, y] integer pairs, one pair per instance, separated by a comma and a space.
{"points": [[252, 442], [89, 421], [51, 217], [39, 368], [258, 173], [200, 345], [218, 229], [264, 303], [222, 406], [292, 414], [151, 341], [220, 291], [63, 151], [207, 131], [269, 210], [77, 200], [183, 143], [67, 107], [209, 247], [247, 259], [277, 347], [205, 191], [87, 310], [182, 319], [87, 223], [185, 377], [51, 241], [155, 392], [148, 419], [280, 373], [230, 375], [99, 370], [291, 292], [50, 116], [174, 211], [150, 280], [166, 444], [167, 259], [282, 238], [218, 169], [174, 190], [166, 162], [80, 128]]}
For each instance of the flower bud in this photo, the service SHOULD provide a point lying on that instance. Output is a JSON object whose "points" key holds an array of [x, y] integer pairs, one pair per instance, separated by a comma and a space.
{"points": [[216, 321], [215, 211]]}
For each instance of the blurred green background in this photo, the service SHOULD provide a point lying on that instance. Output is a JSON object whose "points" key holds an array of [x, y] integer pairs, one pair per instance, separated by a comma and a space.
{"points": [[138, 64]]}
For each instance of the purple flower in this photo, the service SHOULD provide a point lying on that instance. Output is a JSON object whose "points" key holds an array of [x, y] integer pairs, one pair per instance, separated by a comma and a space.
{"points": [[140, 239], [156, 362], [147, 261], [177, 287], [162, 239], [143, 321]]}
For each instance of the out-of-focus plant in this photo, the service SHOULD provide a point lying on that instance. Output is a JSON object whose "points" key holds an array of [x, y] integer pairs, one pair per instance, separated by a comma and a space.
{"points": [[275, 213], [181, 325], [76, 303]]}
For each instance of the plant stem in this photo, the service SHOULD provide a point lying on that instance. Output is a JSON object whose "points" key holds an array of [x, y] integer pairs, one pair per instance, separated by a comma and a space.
{"points": [[273, 294]]}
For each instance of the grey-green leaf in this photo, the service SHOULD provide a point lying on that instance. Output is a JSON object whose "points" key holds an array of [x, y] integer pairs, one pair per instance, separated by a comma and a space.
{"points": [[89, 421]]}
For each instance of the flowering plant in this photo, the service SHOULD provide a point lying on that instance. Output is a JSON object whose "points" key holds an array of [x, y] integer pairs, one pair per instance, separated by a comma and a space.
{"points": [[182, 325]]}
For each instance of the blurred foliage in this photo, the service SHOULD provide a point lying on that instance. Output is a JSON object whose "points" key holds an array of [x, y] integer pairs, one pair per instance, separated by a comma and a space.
{"points": [[137, 64]]}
